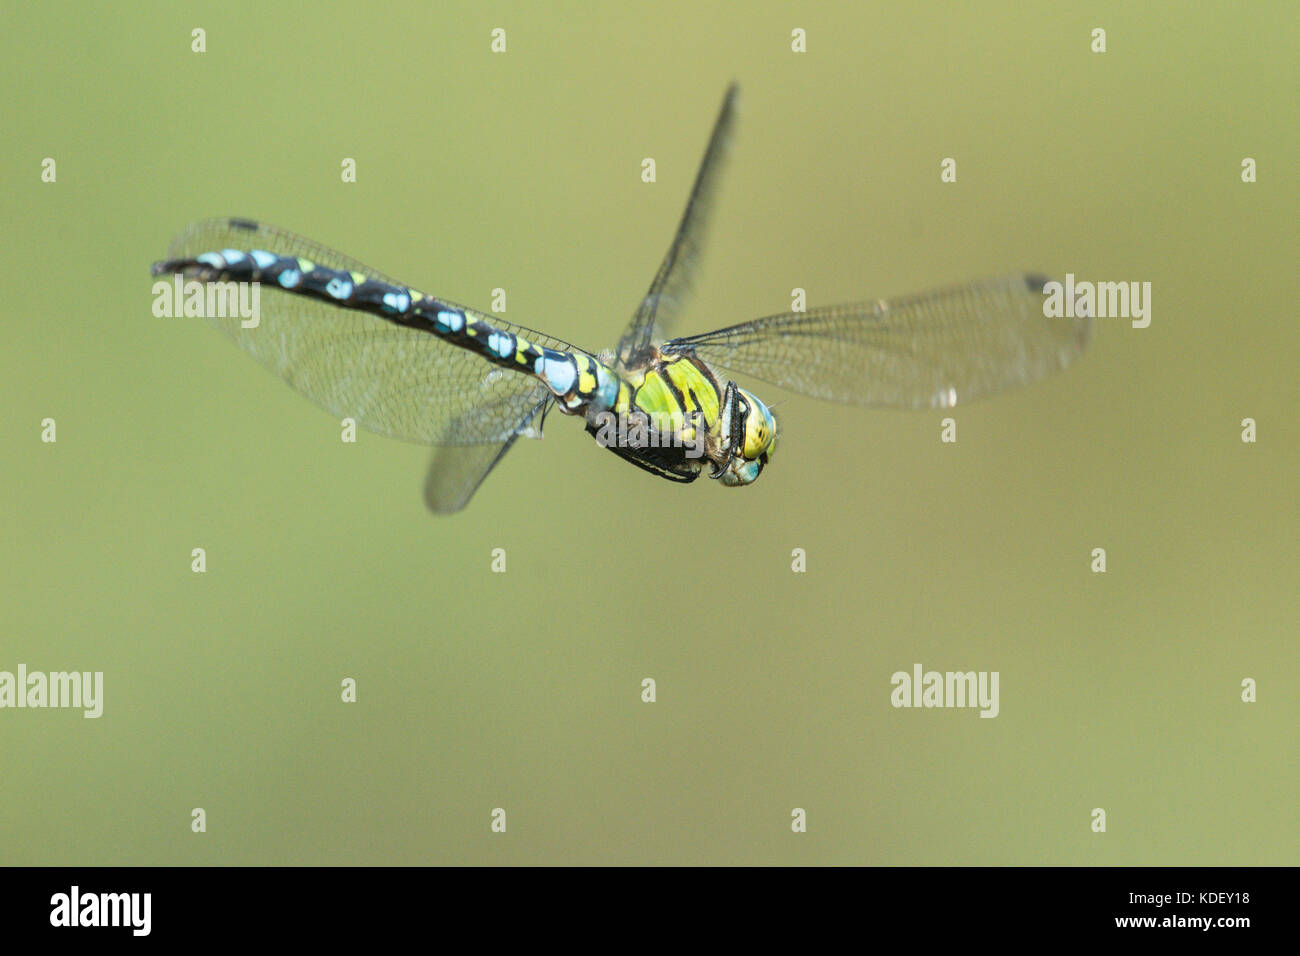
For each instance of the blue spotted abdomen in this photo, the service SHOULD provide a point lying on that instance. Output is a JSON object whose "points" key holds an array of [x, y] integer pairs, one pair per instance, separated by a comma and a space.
{"points": [[577, 380]]}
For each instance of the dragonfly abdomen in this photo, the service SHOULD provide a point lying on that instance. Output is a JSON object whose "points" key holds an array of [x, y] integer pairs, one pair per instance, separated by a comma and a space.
{"points": [[576, 379]]}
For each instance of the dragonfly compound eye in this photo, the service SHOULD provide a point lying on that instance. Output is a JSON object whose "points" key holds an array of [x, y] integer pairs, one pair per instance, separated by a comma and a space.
{"points": [[760, 429]]}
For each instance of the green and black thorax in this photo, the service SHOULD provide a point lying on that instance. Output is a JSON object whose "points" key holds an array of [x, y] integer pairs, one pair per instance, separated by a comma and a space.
{"points": [[672, 415]]}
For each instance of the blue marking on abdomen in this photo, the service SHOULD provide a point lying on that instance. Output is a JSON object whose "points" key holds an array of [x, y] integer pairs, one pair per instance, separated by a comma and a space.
{"points": [[397, 301], [339, 288], [607, 391], [558, 370], [450, 320], [502, 343]]}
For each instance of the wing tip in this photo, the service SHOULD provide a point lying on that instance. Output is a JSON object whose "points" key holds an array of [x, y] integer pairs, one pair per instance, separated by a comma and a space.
{"points": [[1036, 283]]}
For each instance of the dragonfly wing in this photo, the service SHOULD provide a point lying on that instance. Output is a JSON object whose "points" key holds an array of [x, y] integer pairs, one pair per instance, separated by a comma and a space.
{"points": [[672, 281], [926, 351], [391, 379], [458, 469]]}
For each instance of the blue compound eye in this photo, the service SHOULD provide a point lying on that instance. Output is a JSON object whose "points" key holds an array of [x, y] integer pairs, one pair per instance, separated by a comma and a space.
{"points": [[760, 428]]}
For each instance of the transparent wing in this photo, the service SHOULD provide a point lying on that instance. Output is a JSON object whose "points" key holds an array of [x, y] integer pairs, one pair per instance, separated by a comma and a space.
{"points": [[458, 469], [672, 281], [393, 380], [926, 351]]}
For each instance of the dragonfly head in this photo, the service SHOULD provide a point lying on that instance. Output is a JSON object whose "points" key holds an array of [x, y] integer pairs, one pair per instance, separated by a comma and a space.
{"points": [[753, 438]]}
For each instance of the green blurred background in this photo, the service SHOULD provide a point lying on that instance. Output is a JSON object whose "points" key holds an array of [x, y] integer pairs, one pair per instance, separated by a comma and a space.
{"points": [[522, 690]]}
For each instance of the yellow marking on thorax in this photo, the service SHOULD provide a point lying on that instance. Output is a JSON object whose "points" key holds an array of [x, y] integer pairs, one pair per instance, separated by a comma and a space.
{"points": [[679, 373], [697, 391], [358, 278], [654, 396], [623, 404], [306, 265]]}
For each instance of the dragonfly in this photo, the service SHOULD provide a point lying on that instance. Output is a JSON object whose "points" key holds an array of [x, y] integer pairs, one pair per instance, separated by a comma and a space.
{"points": [[419, 367]]}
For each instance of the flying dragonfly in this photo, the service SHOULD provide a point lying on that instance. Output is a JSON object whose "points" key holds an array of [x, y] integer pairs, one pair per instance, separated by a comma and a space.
{"points": [[419, 367]]}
